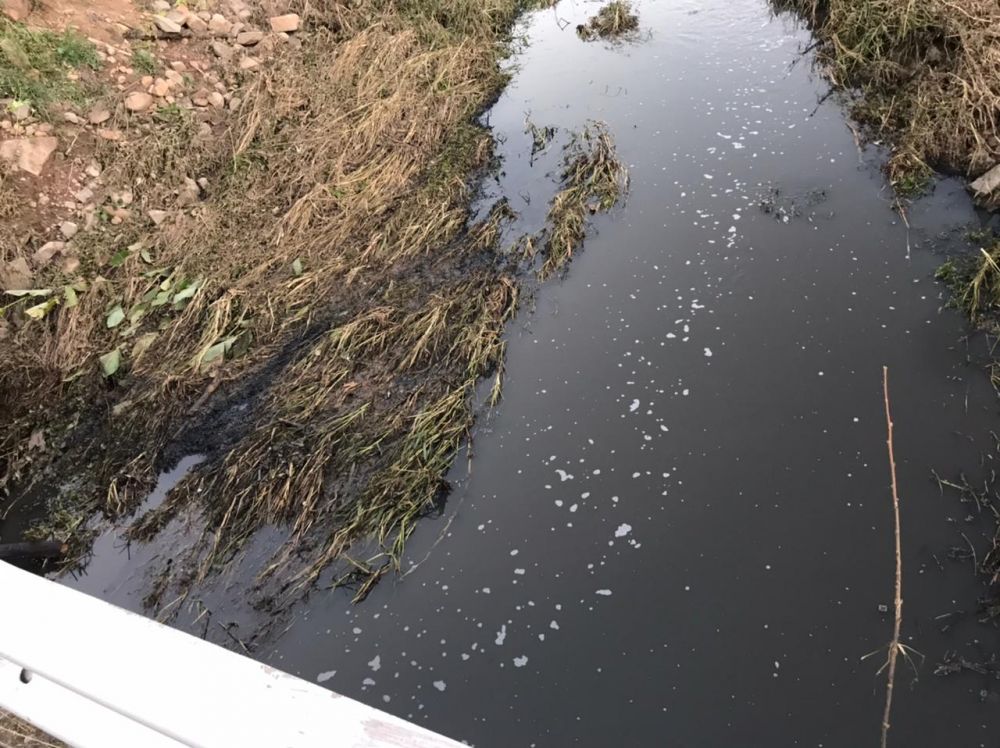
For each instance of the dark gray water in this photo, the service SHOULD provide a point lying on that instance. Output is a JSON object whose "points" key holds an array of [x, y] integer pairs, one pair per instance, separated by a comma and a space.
{"points": [[677, 526]]}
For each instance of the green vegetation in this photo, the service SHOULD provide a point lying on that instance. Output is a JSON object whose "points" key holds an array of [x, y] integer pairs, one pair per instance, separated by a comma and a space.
{"points": [[925, 74], [144, 61], [34, 64], [614, 20]]}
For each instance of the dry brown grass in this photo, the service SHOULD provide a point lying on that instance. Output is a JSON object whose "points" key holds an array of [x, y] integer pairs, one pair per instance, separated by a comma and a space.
{"points": [[928, 75], [613, 21]]}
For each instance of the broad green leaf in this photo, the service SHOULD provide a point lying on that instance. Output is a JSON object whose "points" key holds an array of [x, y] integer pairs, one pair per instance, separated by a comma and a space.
{"points": [[110, 362], [218, 350], [69, 293], [118, 258], [40, 310], [146, 257], [115, 316], [161, 298], [187, 292], [137, 312]]}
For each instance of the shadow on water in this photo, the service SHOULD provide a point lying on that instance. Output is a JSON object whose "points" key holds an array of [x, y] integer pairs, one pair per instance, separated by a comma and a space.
{"points": [[677, 526]]}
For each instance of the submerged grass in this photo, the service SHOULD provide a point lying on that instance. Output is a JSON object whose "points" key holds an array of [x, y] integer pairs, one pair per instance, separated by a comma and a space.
{"points": [[927, 75], [593, 180], [614, 20], [316, 319]]}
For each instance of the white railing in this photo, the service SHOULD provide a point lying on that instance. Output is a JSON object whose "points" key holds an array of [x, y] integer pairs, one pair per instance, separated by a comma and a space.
{"points": [[96, 676]]}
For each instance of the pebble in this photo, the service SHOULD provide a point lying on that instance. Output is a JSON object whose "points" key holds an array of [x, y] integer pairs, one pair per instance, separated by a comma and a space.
{"points": [[98, 115], [249, 38], [68, 229], [286, 23], [166, 25], [138, 101]]}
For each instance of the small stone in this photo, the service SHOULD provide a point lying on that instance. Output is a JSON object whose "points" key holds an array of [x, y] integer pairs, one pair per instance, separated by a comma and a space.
{"points": [[249, 38], [178, 15], [123, 198], [146, 81], [178, 66], [219, 25], [286, 23], [138, 101], [98, 115], [203, 184], [160, 88], [222, 50], [70, 265], [157, 216], [110, 134], [93, 169], [248, 63], [217, 100], [68, 229], [166, 25], [234, 103], [197, 25], [72, 118], [16, 10], [30, 154], [84, 195], [174, 78], [47, 251], [161, 6], [15, 275], [200, 98]]}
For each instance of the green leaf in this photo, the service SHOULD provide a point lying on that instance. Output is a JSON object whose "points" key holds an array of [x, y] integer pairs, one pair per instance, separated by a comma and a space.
{"points": [[218, 350], [115, 316], [40, 310], [146, 257], [118, 258], [161, 298], [69, 293], [137, 312], [30, 292], [110, 362], [187, 291], [297, 266]]}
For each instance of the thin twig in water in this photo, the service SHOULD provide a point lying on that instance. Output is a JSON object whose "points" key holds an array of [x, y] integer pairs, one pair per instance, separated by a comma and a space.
{"points": [[894, 645]]}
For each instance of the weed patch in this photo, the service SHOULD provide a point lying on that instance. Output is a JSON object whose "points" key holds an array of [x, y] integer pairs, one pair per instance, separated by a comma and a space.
{"points": [[613, 21]]}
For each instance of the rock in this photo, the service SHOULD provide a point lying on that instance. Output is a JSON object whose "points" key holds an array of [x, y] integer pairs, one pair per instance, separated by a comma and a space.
{"points": [[174, 78], [15, 275], [70, 265], [161, 6], [72, 118], [200, 98], [93, 169], [16, 10], [987, 184], [84, 195], [166, 25], [178, 66], [138, 101], [47, 251], [110, 134], [202, 184], [160, 88], [29, 154], [197, 25], [249, 38], [21, 112], [219, 25], [157, 216], [248, 63], [123, 198], [287, 23], [98, 115], [68, 229], [217, 100], [189, 194], [178, 15], [146, 81], [222, 50]]}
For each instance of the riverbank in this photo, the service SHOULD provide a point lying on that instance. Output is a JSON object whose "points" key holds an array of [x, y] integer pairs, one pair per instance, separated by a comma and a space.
{"points": [[279, 269], [923, 76]]}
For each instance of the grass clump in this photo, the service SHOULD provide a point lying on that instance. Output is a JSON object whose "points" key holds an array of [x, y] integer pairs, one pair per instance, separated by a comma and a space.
{"points": [[34, 64], [592, 181], [926, 75], [614, 20], [974, 282], [144, 61]]}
